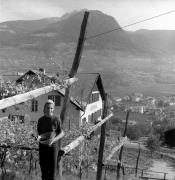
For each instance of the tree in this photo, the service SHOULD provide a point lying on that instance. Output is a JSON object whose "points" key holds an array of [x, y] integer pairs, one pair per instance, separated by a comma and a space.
{"points": [[153, 143], [133, 132]]}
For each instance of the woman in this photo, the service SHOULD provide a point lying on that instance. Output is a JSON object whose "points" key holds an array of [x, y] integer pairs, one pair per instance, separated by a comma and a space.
{"points": [[50, 132]]}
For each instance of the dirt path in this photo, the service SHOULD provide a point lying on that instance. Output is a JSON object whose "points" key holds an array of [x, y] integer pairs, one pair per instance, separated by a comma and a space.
{"points": [[164, 166]]}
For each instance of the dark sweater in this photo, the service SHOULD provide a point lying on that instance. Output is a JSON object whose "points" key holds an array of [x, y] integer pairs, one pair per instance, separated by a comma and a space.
{"points": [[49, 124]]}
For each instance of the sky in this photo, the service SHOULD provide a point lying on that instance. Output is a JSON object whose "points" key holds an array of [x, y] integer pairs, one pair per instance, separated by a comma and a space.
{"points": [[124, 11]]}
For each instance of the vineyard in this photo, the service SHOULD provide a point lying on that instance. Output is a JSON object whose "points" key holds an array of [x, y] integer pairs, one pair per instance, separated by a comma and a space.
{"points": [[19, 148], [19, 153]]}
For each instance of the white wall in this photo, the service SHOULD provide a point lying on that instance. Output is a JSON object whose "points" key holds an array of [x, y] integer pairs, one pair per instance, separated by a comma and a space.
{"points": [[92, 108]]}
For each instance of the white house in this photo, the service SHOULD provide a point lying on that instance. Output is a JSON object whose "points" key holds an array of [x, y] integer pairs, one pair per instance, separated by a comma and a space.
{"points": [[89, 92], [30, 111], [86, 103]]}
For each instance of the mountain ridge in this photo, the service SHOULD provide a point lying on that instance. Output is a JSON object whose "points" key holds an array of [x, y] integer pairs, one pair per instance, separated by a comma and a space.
{"points": [[126, 59]]}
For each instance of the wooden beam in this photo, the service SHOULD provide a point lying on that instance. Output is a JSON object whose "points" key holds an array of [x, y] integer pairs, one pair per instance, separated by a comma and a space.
{"points": [[19, 147], [95, 127], [121, 150], [20, 98], [80, 46], [72, 73], [80, 139], [116, 148], [76, 63], [74, 143]]}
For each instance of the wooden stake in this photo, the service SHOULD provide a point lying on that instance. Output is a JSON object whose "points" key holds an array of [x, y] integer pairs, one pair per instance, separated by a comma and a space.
{"points": [[137, 162], [20, 98], [121, 150], [102, 142], [81, 138], [76, 63]]}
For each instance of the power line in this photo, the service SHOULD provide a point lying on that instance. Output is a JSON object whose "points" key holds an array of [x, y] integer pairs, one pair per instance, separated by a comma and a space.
{"points": [[138, 22]]}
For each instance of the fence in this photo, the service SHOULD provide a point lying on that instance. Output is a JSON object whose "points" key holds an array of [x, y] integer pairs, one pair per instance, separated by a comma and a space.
{"points": [[148, 174]]}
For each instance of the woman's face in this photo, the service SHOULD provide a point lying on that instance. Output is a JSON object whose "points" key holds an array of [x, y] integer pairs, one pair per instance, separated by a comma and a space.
{"points": [[49, 108]]}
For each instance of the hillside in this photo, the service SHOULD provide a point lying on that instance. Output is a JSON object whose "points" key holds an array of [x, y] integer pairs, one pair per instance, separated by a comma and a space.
{"points": [[161, 42], [129, 61]]}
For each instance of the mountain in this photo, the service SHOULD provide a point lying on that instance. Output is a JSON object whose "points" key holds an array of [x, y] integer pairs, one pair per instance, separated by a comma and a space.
{"points": [[12, 30], [158, 41], [47, 33], [66, 29], [128, 61]]}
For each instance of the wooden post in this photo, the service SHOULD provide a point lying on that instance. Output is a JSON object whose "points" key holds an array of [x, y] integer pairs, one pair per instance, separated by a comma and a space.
{"points": [[121, 150], [76, 62], [72, 73], [102, 142], [142, 174], [164, 176], [137, 162]]}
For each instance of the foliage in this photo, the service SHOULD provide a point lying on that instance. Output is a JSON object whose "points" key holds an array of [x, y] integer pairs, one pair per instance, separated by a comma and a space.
{"points": [[15, 136], [153, 143], [85, 155], [134, 132], [18, 135], [8, 88], [159, 127]]}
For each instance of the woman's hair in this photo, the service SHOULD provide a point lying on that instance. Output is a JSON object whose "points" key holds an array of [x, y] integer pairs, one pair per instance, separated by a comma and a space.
{"points": [[48, 102]]}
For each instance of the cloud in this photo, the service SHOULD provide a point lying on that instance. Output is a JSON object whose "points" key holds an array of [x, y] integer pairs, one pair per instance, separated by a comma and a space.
{"points": [[124, 11], [28, 9]]}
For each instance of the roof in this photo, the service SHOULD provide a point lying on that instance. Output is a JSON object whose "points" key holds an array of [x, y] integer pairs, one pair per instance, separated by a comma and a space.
{"points": [[72, 99], [81, 89], [9, 77], [32, 72]]}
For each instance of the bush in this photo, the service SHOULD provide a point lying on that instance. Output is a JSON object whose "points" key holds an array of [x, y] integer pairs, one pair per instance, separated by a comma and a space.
{"points": [[153, 143]]}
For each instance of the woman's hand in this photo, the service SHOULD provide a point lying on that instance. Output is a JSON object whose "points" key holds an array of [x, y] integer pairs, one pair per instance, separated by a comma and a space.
{"points": [[52, 141], [38, 138], [46, 138]]}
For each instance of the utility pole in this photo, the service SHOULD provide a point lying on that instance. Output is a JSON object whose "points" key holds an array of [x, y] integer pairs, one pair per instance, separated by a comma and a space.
{"points": [[72, 73]]}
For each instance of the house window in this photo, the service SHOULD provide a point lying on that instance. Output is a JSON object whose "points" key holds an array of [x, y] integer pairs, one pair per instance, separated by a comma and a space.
{"points": [[19, 118], [34, 107], [56, 99], [94, 97]]}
